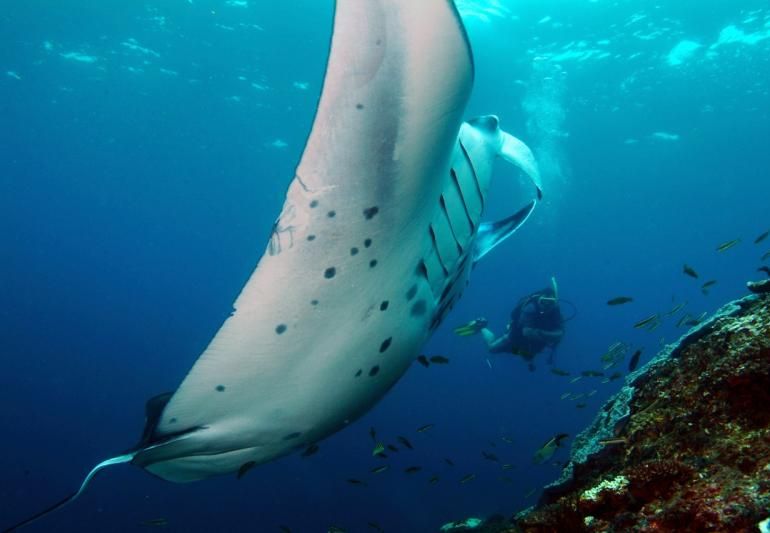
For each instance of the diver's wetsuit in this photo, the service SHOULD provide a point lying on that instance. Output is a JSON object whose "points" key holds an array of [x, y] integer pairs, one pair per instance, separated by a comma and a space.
{"points": [[531, 330]]}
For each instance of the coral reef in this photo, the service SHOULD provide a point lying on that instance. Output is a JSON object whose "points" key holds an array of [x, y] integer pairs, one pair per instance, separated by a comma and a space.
{"points": [[690, 440]]}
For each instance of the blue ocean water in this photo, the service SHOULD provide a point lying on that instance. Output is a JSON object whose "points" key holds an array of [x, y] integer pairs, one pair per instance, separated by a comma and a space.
{"points": [[145, 150]]}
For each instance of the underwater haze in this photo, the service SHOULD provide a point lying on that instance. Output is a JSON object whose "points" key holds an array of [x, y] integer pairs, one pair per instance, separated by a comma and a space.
{"points": [[145, 152]]}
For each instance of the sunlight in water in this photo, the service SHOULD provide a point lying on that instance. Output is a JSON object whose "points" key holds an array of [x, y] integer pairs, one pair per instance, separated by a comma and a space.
{"points": [[544, 109], [483, 10]]}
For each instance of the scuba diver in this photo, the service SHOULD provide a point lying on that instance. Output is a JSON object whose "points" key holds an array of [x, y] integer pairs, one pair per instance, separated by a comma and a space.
{"points": [[536, 324]]}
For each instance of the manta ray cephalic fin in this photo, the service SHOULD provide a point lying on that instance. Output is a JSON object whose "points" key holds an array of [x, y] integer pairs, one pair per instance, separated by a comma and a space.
{"points": [[514, 151], [517, 153], [493, 233]]}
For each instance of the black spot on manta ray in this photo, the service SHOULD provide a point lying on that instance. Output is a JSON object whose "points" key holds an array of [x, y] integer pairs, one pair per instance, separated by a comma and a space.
{"points": [[314, 204], [292, 436], [354, 251], [313, 302], [330, 272], [384, 305], [331, 214], [358, 374], [422, 269], [359, 106], [172, 421], [372, 263], [411, 293], [419, 308], [367, 243], [280, 328], [374, 370], [311, 237], [385, 344], [370, 212], [220, 388]]}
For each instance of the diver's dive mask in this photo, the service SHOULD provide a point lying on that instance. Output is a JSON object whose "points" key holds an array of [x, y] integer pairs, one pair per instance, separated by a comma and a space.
{"points": [[547, 302]]}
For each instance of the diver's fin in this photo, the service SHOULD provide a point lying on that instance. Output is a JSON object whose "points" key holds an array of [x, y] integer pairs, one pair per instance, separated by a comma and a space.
{"points": [[120, 459], [467, 330], [493, 233], [464, 331], [517, 153]]}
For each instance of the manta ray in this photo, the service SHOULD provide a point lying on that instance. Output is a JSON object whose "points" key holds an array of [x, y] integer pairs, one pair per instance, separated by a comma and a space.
{"points": [[378, 234]]}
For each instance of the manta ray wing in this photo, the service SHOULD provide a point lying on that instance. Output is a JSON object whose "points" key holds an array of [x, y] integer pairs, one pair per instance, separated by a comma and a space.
{"points": [[335, 310], [341, 301], [375, 243]]}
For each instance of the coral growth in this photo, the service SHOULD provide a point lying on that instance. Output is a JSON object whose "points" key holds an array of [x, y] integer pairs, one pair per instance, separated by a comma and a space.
{"points": [[691, 440]]}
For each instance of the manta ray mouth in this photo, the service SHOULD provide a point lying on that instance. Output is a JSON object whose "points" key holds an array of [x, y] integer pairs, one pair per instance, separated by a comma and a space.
{"points": [[162, 449], [189, 467], [196, 454]]}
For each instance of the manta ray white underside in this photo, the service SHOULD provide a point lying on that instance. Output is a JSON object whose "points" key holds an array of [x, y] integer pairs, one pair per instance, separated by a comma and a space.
{"points": [[374, 244]]}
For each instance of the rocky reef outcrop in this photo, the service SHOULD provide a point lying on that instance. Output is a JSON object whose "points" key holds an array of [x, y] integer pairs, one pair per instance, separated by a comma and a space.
{"points": [[684, 446]]}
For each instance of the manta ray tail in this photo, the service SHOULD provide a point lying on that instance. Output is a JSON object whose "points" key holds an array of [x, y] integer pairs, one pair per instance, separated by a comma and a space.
{"points": [[125, 458], [149, 441]]}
